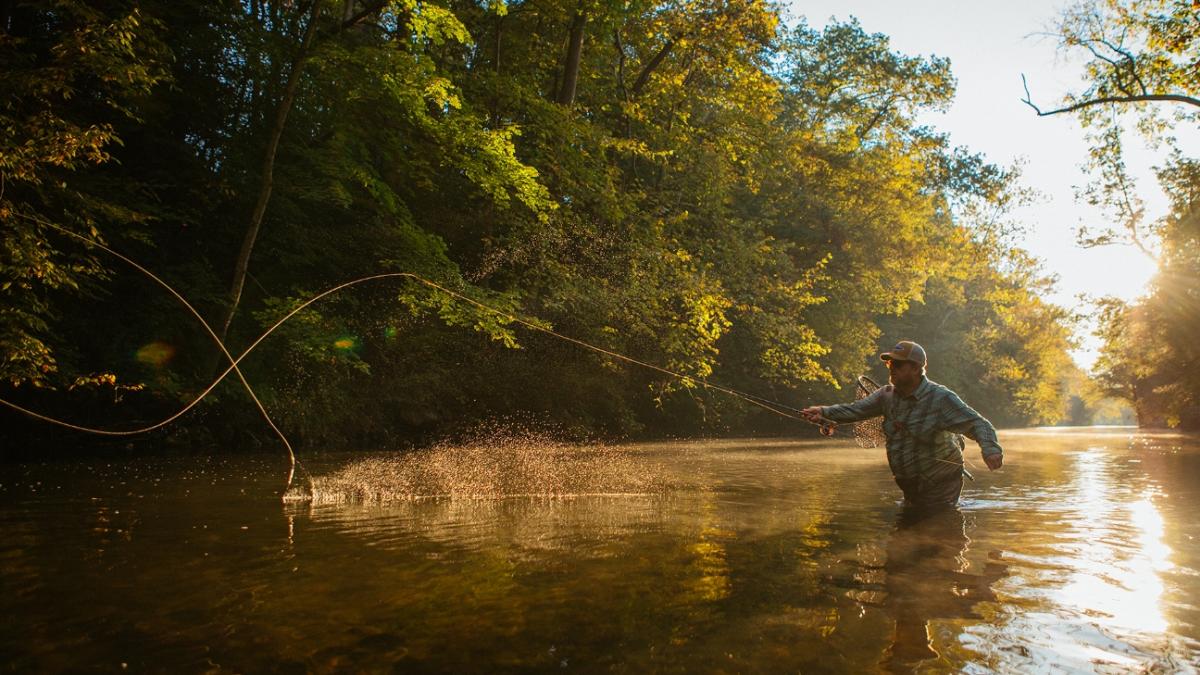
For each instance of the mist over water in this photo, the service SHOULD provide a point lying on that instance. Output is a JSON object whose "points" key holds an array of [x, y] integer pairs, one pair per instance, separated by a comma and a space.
{"points": [[518, 553]]}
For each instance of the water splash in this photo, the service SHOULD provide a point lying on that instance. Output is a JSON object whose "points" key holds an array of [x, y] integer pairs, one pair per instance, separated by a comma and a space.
{"points": [[500, 465]]}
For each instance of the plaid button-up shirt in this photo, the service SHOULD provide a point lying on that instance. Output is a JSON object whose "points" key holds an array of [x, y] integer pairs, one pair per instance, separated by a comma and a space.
{"points": [[923, 429]]}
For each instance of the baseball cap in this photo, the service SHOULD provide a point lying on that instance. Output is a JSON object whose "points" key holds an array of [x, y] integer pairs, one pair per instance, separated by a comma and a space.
{"points": [[905, 350]]}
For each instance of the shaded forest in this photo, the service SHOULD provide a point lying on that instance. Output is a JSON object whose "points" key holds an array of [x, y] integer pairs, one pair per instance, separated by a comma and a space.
{"points": [[694, 183]]}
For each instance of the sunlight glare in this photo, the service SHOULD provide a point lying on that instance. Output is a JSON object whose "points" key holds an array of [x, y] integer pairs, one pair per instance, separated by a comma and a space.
{"points": [[1117, 581]]}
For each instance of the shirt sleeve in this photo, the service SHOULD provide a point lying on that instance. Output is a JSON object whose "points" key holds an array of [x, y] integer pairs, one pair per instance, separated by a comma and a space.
{"points": [[962, 418], [865, 408]]}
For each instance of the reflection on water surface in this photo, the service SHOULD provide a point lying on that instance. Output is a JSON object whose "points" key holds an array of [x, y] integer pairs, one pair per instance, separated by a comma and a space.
{"points": [[1080, 555]]}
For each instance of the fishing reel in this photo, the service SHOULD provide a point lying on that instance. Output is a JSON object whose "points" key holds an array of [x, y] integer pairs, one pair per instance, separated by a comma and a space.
{"points": [[828, 428]]}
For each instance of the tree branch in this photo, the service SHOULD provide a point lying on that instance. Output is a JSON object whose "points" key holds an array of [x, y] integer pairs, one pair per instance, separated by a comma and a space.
{"points": [[1133, 215], [1128, 64], [620, 64], [883, 110], [371, 8], [1142, 98], [644, 76]]}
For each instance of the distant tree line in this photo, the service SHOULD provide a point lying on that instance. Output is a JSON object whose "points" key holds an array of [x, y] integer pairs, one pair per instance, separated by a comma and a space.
{"points": [[689, 182]]}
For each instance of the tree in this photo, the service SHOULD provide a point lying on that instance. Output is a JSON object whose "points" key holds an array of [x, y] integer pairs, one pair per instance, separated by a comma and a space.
{"points": [[1142, 53], [684, 182], [71, 74], [267, 179], [1138, 53]]}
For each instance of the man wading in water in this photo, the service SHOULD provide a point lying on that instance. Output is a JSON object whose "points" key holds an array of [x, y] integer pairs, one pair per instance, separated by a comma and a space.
{"points": [[922, 421]]}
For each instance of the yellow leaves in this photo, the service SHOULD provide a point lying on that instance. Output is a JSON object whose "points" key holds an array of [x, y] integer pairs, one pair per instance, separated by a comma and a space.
{"points": [[1008, 368], [633, 147], [437, 24], [497, 171], [43, 139], [97, 379], [498, 7], [442, 93], [105, 381], [708, 317]]}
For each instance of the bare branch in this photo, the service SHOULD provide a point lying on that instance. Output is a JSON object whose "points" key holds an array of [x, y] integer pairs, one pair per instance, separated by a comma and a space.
{"points": [[1089, 45], [1130, 62], [1141, 98]]}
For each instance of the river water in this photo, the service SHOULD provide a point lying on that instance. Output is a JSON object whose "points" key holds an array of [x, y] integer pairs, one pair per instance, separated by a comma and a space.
{"points": [[1081, 554]]}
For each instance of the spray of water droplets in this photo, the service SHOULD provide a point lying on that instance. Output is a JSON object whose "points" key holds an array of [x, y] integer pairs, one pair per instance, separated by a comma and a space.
{"points": [[500, 465]]}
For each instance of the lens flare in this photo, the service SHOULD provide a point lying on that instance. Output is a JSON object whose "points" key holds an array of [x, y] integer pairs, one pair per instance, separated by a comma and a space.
{"points": [[155, 354]]}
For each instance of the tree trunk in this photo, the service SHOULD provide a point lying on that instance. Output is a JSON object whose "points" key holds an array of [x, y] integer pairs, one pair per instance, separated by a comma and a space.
{"points": [[655, 61], [268, 172], [494, 107], [566, 96]]}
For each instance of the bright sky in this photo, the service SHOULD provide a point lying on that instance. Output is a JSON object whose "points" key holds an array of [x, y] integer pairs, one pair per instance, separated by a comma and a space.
{"points": [[990, 44]]}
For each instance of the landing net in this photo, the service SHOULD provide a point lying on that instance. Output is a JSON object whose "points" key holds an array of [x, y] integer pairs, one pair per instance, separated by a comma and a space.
{"points": [[867, 433]]}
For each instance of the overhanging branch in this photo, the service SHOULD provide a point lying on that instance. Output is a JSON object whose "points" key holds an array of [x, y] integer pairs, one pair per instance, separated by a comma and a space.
{"points": [[368, 10], [1140, 98]]}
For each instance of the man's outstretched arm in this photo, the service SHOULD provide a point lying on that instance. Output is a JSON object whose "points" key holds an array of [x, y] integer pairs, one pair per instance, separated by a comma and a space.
{"points": [[961, 418], [871, 406]]}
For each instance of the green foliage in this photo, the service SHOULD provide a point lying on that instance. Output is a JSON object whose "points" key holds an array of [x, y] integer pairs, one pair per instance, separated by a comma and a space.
{"points": [[852, 88], [69, 73], [721, 196], [991, 336]]}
